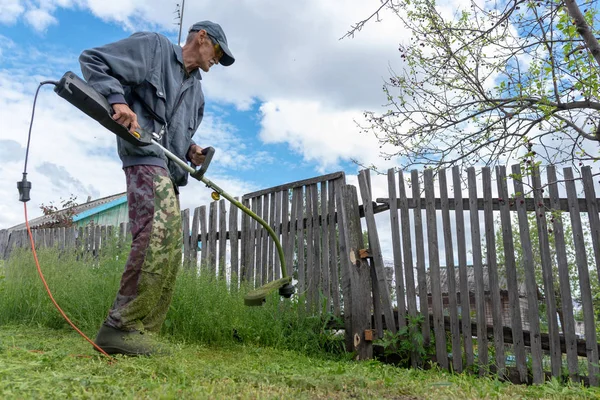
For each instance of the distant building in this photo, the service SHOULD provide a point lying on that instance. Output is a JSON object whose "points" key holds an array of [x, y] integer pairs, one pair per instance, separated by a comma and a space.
{"points": [[110, 210], [504, 303]]}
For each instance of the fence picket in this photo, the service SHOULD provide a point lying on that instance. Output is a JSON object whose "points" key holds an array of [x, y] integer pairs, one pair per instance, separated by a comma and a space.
{"points": [[450, 274], [568, 320], [547, 275], [592, 210], [316, 228], [280, 228], [511, 274], [222, 239], [584, 279], [185, 236], [324, 233], [420, 249], [411, 294], [357, 275], [234, 244], [532, 289], [300, 232], [204, 250], [397, 249], [193, 252], [434, 271], [334, 188], [377, 260], [482, 341], [492, 266]]}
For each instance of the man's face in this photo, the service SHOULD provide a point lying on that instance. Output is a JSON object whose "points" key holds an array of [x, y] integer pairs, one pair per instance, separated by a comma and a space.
{"points": [[210, 51]]}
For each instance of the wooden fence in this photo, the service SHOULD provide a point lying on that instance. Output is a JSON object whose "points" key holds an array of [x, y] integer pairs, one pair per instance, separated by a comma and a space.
{"points": [[519, 305], [430, 237]]}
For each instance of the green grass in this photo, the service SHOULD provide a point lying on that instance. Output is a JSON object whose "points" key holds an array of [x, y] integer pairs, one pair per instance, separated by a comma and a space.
{"points": [[220, 348], [40, 362]]}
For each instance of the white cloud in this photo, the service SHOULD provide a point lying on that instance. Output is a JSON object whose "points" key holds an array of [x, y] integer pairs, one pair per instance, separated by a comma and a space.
{"points": [[321, 135], [10, 11], [39, 19]]}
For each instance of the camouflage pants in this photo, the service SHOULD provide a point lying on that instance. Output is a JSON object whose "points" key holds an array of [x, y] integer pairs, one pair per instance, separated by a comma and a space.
{"points": [[151, 269]]}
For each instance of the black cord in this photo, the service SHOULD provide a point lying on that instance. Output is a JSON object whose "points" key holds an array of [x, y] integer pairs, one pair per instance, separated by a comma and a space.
{"points": [[31, 122], [23, 185]]}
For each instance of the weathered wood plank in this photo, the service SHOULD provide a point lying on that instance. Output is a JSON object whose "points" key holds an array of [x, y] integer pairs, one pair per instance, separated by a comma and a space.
{"points": [[260, 240], [511, 274], [592, 210], [334, 188], [492, 264], [547, 275], [287, 231], [185, 236], [584, 279], [532, 289], [244, 243], [279, 226], [411, 294], [265, 241], [213, 227], [253, 244], [482, 340], [234, 244], [450, 273], [385, 298], [300, 232], [193, 251], [310, 253], [97, 236], [271, 248], [529, 204], [420, 250], [222, 239], [358, 274], [296, 184], [325, 261], [204, 249], [397, 249], [566, 299], [434, 271], [345, 268], [316, 227]]}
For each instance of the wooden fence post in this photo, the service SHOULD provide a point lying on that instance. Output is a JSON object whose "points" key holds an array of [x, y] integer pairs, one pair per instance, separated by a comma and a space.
{"points": [[358, 274], [384, 296]]}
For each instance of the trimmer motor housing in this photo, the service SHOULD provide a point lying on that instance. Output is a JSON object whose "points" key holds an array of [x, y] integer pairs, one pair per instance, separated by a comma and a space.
{"points": [[77, 92]]}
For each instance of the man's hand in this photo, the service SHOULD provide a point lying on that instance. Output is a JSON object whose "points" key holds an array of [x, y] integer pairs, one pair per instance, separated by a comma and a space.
{"points": [[125, 116], [195, 155]]}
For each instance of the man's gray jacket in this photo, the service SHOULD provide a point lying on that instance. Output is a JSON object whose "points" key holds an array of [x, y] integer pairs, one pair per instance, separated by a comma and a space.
{"points": [[146, 71]]}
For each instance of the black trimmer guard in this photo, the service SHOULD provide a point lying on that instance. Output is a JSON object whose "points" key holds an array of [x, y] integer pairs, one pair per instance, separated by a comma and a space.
{"points": [[258, 296]]}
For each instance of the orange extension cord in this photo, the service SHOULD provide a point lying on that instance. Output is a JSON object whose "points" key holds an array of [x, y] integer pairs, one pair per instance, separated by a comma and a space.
{"points": [[37, 263]]}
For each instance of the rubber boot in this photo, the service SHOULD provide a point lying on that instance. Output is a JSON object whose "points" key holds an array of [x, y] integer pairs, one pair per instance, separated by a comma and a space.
{"points": [[132, 343]]}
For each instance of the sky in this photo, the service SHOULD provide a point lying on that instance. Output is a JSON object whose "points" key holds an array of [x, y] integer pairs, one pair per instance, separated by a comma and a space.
{"points": [[287, 109]]}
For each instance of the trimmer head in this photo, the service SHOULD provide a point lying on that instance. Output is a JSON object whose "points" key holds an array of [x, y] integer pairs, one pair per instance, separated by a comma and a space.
{"points": [[258, 296]]}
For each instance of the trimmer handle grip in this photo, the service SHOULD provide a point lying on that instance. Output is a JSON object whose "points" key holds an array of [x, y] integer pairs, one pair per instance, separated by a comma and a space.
{"points": [[77, 92], [208, 152]]}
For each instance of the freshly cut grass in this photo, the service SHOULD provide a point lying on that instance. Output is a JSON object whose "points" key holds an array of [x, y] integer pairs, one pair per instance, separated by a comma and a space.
{"points": [[40, 362]]}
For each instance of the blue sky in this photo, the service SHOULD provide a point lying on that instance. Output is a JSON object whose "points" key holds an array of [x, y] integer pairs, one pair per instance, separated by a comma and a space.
{"points": [[286, 110]]}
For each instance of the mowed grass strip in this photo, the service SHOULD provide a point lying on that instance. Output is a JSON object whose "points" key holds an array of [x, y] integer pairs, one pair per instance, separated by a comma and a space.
{"points": [[39, 362]]}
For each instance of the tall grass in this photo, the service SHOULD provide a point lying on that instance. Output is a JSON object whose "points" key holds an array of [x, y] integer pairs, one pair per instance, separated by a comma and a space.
{"points": [[204, 309]]}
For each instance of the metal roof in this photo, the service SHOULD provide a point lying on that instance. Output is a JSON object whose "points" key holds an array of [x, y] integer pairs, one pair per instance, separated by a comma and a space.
{"points": [[81, 211]]}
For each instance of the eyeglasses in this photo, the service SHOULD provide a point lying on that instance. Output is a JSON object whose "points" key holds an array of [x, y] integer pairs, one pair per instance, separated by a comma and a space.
{"points": [[217, 47]]}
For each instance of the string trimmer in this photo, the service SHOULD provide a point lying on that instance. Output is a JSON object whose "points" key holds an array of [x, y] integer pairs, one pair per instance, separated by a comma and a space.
{"points": [[77, 92]]}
